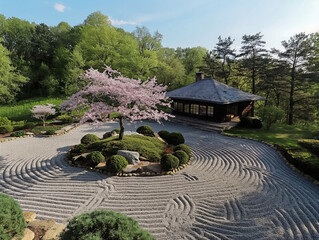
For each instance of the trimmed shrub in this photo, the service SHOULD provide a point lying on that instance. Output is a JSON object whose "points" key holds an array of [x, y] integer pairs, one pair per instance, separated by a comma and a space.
{"points": [[50, 132], [106, 225], [311, 144], [182, 156], [65, 118], [12, 223], [94, 158], [18, 125], [29, 125], [145, 130], [270, 115], [184, 148], [77, 150], [89, 139], [18, 134], [6, 129], [116, 163], [175, 138], [163, 134], [4, 121], [169, 162], [250, 122], [113, 133]]}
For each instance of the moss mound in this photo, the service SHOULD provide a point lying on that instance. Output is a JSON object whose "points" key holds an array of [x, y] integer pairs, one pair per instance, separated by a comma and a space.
{"points": [[182, 156], [106, 225], [149, 147], [117, 163], [169, 162], [184, 148], [89, 139]]}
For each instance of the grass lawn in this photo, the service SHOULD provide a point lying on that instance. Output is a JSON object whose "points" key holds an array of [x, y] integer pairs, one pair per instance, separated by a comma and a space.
{"points": [[38, 129], [278, 134], [21, 110]]}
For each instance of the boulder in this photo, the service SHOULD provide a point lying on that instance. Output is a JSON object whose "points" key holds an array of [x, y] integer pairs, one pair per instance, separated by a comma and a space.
{"points": [[131, 157], [29, 216], [42, 224], [54, 232]]}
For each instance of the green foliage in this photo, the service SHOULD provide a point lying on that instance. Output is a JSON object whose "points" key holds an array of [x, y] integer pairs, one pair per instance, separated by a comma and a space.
{"points": [[106, 225], [148, 147], [78, 149], [94, 158], [18, 134], [4, 121], [182, 156], [302, 159], [117, 130], [39, 129], [6, 129], [250, 122], [175, 138], [184, 148], [29, 125], [89, 139], [311, 144], [270, 115], [116, 163], [169, 162], [50, 132], [12, 223], [18, 125], [163, 134], [65, 118], [145, 130]]}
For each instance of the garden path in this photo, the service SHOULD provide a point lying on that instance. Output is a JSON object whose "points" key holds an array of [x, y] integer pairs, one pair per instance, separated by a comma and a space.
{"points": [[234, 189]]}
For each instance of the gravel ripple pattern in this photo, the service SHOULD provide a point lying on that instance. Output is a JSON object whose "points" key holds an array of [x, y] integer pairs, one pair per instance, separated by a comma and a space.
{"points": [[234, 188]]}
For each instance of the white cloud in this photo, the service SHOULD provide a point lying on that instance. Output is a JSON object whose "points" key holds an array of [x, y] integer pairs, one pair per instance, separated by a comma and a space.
{"points": [[122, 22], [59, 7]]}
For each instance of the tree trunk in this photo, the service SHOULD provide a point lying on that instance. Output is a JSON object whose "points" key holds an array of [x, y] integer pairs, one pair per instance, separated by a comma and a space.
{"points": [[291, 98], [43, 123], [121, 129]]}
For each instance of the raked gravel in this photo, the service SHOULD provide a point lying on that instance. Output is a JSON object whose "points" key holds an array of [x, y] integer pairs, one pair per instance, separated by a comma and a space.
{"points": [[234, 189]]}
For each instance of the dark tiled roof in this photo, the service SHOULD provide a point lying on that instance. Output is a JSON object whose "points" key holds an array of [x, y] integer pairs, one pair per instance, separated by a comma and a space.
{"points": [[210, 90]]}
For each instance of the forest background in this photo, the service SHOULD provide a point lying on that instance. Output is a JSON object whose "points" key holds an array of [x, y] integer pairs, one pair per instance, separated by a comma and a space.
{"points": [[47, 61]]}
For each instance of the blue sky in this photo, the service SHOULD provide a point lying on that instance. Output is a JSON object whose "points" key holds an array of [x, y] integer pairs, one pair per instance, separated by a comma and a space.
{"points": [[183, 23]]}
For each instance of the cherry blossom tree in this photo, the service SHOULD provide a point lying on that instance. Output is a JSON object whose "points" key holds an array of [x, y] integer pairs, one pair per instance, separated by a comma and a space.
{"points": [[110, 91], [43, 111]]}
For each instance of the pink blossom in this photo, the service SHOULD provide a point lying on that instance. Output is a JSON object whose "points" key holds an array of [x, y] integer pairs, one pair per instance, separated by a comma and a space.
{"points": [[109, 92]]}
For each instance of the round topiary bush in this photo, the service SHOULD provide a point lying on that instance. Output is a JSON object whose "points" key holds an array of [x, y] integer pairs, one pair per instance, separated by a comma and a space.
{"points": [[18, 134], [184, 148], [106, 225], [182, 156], [145, 130], [6, 129], [50, 132], [175, 138], [163, 134], [89, 138], [116, 163], [78, 149], [94, 158], [12, 223], [169, 162]]}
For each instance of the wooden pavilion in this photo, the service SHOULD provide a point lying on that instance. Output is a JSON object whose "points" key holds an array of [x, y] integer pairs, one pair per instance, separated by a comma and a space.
{"points": [[210, 99]]}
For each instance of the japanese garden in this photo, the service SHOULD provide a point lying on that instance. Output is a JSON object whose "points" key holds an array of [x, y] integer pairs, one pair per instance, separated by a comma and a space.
{"points": [[108, 134]]}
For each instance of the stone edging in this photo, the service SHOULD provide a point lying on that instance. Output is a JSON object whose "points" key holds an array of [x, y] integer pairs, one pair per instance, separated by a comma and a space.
{"points": [[291, 166], [142, 174], [45, 136]]}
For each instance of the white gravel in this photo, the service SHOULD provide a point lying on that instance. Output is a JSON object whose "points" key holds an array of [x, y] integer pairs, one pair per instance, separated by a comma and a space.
{"points": [[235, 188]]}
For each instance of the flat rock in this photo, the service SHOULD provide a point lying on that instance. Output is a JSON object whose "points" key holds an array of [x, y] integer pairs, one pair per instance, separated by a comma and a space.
{"points": [[54, 232], [42, 224], [29, 133], [59, 131], [27, 235], [29, 216], [153, 168], [131, 156], [130, 170], [67, 128]]}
